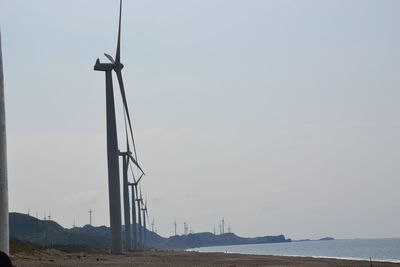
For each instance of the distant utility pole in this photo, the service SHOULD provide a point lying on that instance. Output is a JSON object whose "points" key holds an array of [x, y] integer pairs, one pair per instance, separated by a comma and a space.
{"points": [[152, 226], [223, 226], [49, 216], [90, 216], [4, 223]]}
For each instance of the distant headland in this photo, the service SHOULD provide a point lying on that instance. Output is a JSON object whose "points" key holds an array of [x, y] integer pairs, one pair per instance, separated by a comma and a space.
{"points": [[48, 233]]}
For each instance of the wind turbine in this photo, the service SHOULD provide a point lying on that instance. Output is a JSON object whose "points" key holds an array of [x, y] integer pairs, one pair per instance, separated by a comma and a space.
{"points": [[90, 216], [130, 232], [112, 140], [175, 226], [125, 163], [112, 149], [139, 201], [135, 230], [144, 210]]}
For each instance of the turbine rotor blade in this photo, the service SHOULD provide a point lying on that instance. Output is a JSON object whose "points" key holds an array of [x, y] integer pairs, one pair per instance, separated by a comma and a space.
{"points": [[110, 58], [128, 150], [133, 175], [122, 89], [118, 53], [140, 177], [127, 164], [137, 164]]}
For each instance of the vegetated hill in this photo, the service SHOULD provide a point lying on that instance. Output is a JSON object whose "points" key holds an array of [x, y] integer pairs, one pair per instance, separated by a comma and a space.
{"points": [[153, 239], [326, 239], [49, 233], [209, 239]]}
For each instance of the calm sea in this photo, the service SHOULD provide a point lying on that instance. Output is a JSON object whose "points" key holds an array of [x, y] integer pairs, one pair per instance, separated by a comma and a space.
{"points": [[377, 249]]}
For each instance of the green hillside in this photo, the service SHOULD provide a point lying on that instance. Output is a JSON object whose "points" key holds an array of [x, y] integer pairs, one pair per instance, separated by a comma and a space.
{"points": [[47, 233]]}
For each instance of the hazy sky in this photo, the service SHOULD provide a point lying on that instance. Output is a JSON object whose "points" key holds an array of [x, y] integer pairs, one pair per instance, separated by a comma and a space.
{"points": [[281, 116]]}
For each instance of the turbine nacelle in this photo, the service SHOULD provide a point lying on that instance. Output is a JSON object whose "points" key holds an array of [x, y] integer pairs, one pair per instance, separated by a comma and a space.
{"points": [[103, 66], [125, 153]]}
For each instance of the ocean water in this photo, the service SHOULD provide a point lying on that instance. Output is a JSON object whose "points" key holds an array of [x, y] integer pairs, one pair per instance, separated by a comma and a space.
{"points": [[377, 249]]}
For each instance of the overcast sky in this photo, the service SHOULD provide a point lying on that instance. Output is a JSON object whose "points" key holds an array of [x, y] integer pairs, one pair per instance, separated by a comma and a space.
{"points": [[281, 116]]}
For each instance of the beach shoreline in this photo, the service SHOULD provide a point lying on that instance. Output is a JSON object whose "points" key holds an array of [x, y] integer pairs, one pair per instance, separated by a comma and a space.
{"points": [[181, 259]]}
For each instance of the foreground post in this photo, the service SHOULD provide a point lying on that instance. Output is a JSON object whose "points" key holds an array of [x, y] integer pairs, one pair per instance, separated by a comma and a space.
{"points": [[4, 232]]}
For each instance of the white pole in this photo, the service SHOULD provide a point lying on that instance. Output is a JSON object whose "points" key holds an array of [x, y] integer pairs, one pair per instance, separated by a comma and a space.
{"points": [[4, 231]]}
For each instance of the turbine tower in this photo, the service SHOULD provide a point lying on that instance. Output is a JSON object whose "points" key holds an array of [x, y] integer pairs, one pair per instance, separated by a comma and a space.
{"points": [[4, 224], [134, 224], [127, 217], [140, 228], [144, 210]]}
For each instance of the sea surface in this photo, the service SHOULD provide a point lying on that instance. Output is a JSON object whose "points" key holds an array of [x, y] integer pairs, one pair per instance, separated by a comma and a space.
{"points": [[356, 249]]}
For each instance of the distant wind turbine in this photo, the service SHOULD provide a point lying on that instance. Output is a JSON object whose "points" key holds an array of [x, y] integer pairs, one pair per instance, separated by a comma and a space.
{"points": [[175, 226], [90, 216], [139, 201], [145, 215], [127, 217], [135, 227]]}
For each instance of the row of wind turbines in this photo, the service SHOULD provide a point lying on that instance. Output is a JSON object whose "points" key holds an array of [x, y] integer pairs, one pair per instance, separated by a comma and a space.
{"points": [[134, 207], [135, 233]]}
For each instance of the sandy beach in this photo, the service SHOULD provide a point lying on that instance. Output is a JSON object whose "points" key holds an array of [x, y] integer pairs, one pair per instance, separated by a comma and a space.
{"points": [[178, 259]]}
